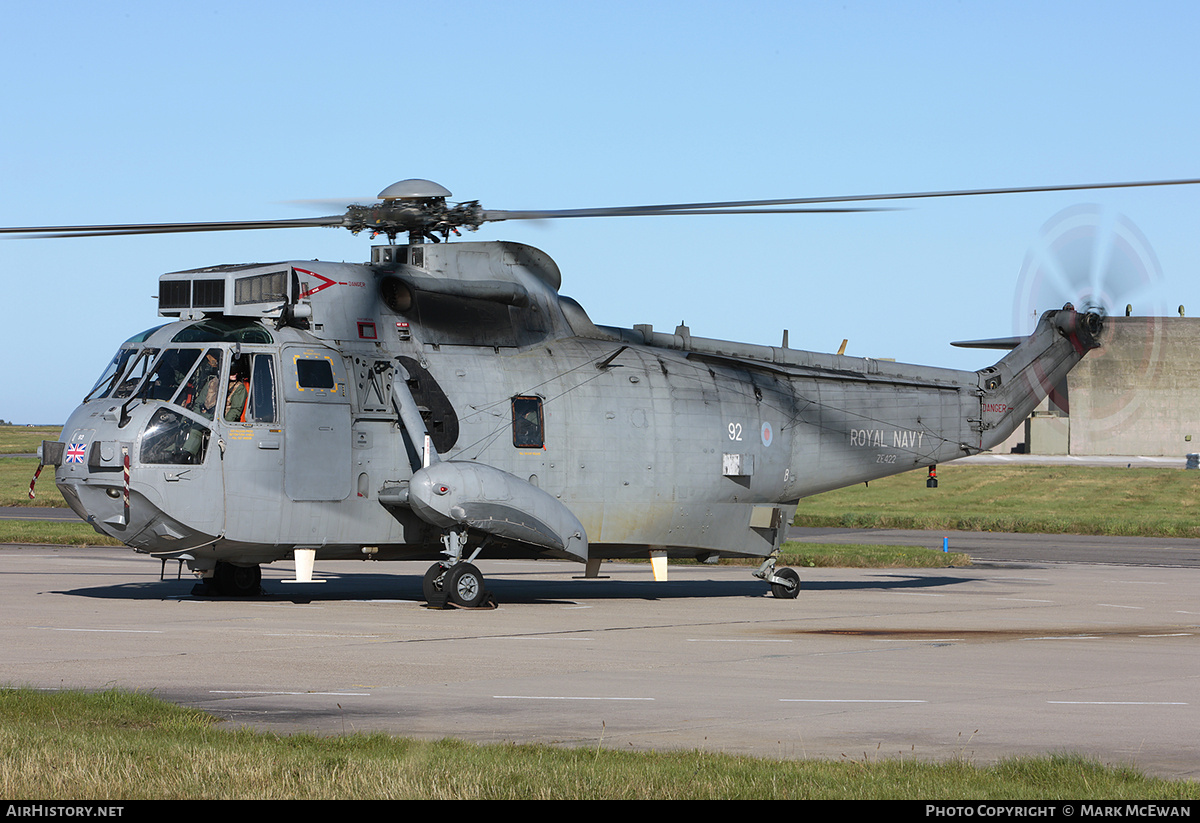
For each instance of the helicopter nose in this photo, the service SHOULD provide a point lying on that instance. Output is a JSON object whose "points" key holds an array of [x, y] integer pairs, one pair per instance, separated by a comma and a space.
{"points": [[102, 475]]}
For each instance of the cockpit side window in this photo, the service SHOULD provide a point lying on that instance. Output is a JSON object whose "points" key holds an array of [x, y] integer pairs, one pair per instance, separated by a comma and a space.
{"points": [[200, 392], [262, 390], [237, 393]]}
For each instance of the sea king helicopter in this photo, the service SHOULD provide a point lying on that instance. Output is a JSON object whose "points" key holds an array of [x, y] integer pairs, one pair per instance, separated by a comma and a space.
{"points": [[444, 401]]}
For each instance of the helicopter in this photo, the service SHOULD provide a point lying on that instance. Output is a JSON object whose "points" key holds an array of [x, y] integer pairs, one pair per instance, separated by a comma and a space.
{"points": [[444, 401]]}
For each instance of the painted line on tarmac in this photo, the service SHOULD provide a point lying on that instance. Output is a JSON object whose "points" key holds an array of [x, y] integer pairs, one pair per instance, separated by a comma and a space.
{"points": [[562, 697], [736, 640], [109, 631], [838, 700]]}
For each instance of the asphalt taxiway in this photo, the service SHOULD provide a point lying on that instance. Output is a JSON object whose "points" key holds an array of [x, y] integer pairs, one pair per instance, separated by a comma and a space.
{"points": [[1007, 547], [981, 662]]}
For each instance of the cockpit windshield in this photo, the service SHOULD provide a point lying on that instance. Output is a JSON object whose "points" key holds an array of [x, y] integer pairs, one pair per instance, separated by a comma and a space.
{"points": [[111, 377], [168, 374], [192, 375], [136, 372], [114, 369]]}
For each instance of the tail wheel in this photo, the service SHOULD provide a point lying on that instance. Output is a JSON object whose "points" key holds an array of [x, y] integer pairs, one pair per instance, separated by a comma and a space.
{"points": [[788, 585]]}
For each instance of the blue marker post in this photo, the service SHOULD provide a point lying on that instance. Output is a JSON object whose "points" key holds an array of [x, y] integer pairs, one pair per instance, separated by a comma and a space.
{"points": [[945, 544]]}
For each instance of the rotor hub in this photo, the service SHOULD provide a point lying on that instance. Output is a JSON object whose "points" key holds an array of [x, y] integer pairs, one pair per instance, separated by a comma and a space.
{"points": [[414, 189]]}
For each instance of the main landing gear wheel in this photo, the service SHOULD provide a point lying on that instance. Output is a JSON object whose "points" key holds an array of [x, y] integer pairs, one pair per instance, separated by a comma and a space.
{"points": [[433, 586], [464, 586], [237, 581], [789, 586], [460, 585]]}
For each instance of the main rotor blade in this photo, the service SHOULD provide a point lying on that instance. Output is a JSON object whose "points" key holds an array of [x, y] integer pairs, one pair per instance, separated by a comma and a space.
{"points": [[751, 206], [491, 215], [426, 217], [171, 228]]}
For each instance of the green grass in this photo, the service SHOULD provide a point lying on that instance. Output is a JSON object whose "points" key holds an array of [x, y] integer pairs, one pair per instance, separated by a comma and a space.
{"points": [[868, 556], [26, 439], [125, 746], [15, 474], [1056, 500], [852, 556], [58, 534]]}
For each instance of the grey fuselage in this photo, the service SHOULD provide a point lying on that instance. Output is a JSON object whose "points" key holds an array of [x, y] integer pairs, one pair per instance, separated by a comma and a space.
{"points": [[648, 441]]}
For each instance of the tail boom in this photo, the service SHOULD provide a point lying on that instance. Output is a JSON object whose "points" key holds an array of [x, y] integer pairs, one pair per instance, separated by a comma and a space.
{"points": [[1012, 388]]}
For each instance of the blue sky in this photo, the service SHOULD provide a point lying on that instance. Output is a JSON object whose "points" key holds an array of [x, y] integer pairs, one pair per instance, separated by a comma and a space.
{"points": [[139, 112]]}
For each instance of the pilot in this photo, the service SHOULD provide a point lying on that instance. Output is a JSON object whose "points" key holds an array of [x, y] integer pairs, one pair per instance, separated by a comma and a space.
{"points": [[236, 394], [207, 377]]}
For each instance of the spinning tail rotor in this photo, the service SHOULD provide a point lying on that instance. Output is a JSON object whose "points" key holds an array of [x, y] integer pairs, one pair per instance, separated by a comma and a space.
{"points": [[1092, 258]]}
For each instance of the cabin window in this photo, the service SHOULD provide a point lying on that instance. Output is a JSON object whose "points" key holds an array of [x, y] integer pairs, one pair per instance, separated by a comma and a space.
{"points": [[314, 374], [528, 428]]}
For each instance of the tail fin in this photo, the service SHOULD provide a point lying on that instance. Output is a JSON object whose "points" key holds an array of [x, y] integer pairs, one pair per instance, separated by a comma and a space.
{"points": [[1012, 389]]}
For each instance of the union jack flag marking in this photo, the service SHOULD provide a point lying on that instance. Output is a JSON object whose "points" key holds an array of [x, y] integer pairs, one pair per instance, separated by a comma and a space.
{"points": [[76, 452]]}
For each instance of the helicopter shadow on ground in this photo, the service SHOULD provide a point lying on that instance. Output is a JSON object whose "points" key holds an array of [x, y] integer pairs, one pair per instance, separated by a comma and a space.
{"points": [[514, 589]]}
